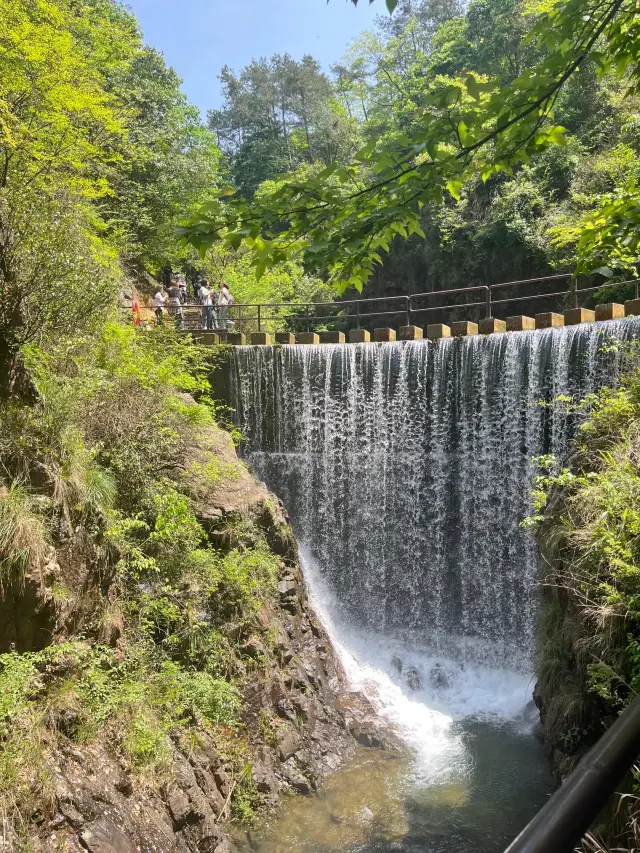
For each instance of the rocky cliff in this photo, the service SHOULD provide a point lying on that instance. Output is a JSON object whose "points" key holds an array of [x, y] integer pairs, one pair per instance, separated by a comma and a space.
{"points": [[290, 730]]}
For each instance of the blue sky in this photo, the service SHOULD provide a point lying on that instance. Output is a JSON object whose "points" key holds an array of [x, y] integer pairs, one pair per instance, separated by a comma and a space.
{"points": [[198, 37]]}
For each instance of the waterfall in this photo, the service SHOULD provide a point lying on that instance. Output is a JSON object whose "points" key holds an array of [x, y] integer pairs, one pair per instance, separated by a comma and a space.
{"points": [[406, 469]]}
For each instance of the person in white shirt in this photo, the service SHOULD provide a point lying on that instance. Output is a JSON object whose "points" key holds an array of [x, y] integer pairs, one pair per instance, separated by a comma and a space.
{"points": [[207, 306], [224, 300], [158, 303]]}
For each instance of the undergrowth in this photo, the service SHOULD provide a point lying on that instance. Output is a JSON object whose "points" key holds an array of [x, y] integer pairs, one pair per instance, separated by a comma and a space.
{"points": [[588, 520], [92, 472]]}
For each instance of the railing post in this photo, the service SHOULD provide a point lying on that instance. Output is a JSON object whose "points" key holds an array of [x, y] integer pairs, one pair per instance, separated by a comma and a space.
{"points": [[637, 288], [487, 307], [573, 291], [308, 319], [259, 319], [357, 313], [407, 311]]}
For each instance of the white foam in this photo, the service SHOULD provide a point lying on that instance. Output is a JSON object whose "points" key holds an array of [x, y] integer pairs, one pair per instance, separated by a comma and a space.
{"points": [[442, 691]]}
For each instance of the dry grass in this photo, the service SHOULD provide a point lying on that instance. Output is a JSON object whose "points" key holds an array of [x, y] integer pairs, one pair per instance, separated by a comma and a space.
{"points": [[23, 538]]}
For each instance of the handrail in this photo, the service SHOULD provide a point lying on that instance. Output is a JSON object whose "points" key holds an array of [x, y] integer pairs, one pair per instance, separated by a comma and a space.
{"points": [[556, 277], [483, 287], [568, 814], [305, 314]]}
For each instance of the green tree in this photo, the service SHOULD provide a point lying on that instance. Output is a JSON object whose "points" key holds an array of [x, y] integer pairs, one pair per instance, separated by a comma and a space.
{"points": [[467, 127], [277, 114], [100, 153], [58, 125], [170, 162]]}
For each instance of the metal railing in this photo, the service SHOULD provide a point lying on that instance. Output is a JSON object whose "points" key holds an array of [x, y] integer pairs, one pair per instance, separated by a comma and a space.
{"points": [[483, 300], [568, 814]]}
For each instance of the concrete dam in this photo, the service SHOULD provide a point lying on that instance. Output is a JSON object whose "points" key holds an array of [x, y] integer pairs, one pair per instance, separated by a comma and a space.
{"points": [[406, 468]]}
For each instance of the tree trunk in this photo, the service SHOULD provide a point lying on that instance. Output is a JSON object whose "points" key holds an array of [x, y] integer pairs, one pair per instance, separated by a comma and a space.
{"points": [[286, 135], [8, 355]]}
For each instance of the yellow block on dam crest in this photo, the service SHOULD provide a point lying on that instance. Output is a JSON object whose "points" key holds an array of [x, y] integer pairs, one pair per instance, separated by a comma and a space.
{"points": [[632, 307], [384, 335], [359, 336], [410, 333], [435, 331], [260, 339], [463, 328], [549, 320], [610, 311], [285, 338], [332, 337], [575, 316], [491, 326], [520, 323]]}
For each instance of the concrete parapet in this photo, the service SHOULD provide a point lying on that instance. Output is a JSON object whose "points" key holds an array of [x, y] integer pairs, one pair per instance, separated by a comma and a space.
{"points": [[609, 311], [209, 339], [332, 337], [260, 339], [632, 306], [236, 339], [410, 333], [574, 316], [520, 323], [548, 320], [462, 328], [384, 335], [490, 326], [438, 330], [359, 336], [285, 338], [307, 338]]}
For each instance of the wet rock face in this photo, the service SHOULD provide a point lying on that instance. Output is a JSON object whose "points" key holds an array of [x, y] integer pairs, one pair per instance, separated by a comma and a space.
{"points": [[101, 807], [299, 720]]}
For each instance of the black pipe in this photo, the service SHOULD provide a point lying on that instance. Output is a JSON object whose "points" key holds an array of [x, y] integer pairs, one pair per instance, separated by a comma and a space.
{"points": [[564, 819]]}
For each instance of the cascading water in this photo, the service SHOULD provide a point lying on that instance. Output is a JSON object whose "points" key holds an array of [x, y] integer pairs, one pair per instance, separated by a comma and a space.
{"points": [[406, 469]]}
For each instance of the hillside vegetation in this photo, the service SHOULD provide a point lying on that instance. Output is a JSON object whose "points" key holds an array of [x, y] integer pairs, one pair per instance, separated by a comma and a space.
{"points": [[509, 226], [467, 144], [151, 606], [589, 530]]}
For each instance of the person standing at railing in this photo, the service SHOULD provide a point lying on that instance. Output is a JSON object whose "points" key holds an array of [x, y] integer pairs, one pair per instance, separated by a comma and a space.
{"points": [[206, 301], [182, 284], [158, 303], [175, 305], [225, 299]]}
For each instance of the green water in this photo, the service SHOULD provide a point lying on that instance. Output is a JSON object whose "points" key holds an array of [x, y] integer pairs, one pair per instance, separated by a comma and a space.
{"points": [[495, 781]]}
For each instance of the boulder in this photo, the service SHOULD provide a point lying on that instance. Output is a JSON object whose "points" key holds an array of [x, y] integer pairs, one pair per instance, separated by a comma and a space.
{"points": [[295, 778], [103, 836], [367, 735], [289, 743]]}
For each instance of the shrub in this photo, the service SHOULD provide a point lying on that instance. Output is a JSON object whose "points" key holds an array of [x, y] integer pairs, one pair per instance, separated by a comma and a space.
{"points": [[589, 525]]}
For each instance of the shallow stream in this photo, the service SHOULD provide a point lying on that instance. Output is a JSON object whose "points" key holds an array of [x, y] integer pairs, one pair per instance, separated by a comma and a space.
{"points": [[473, 773], [380, 802]]}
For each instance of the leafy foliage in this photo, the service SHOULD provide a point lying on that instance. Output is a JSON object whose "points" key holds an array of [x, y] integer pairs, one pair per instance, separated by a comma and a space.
{"points": [[155, 647], [589, 526], [99, 154], [491, 113]]}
